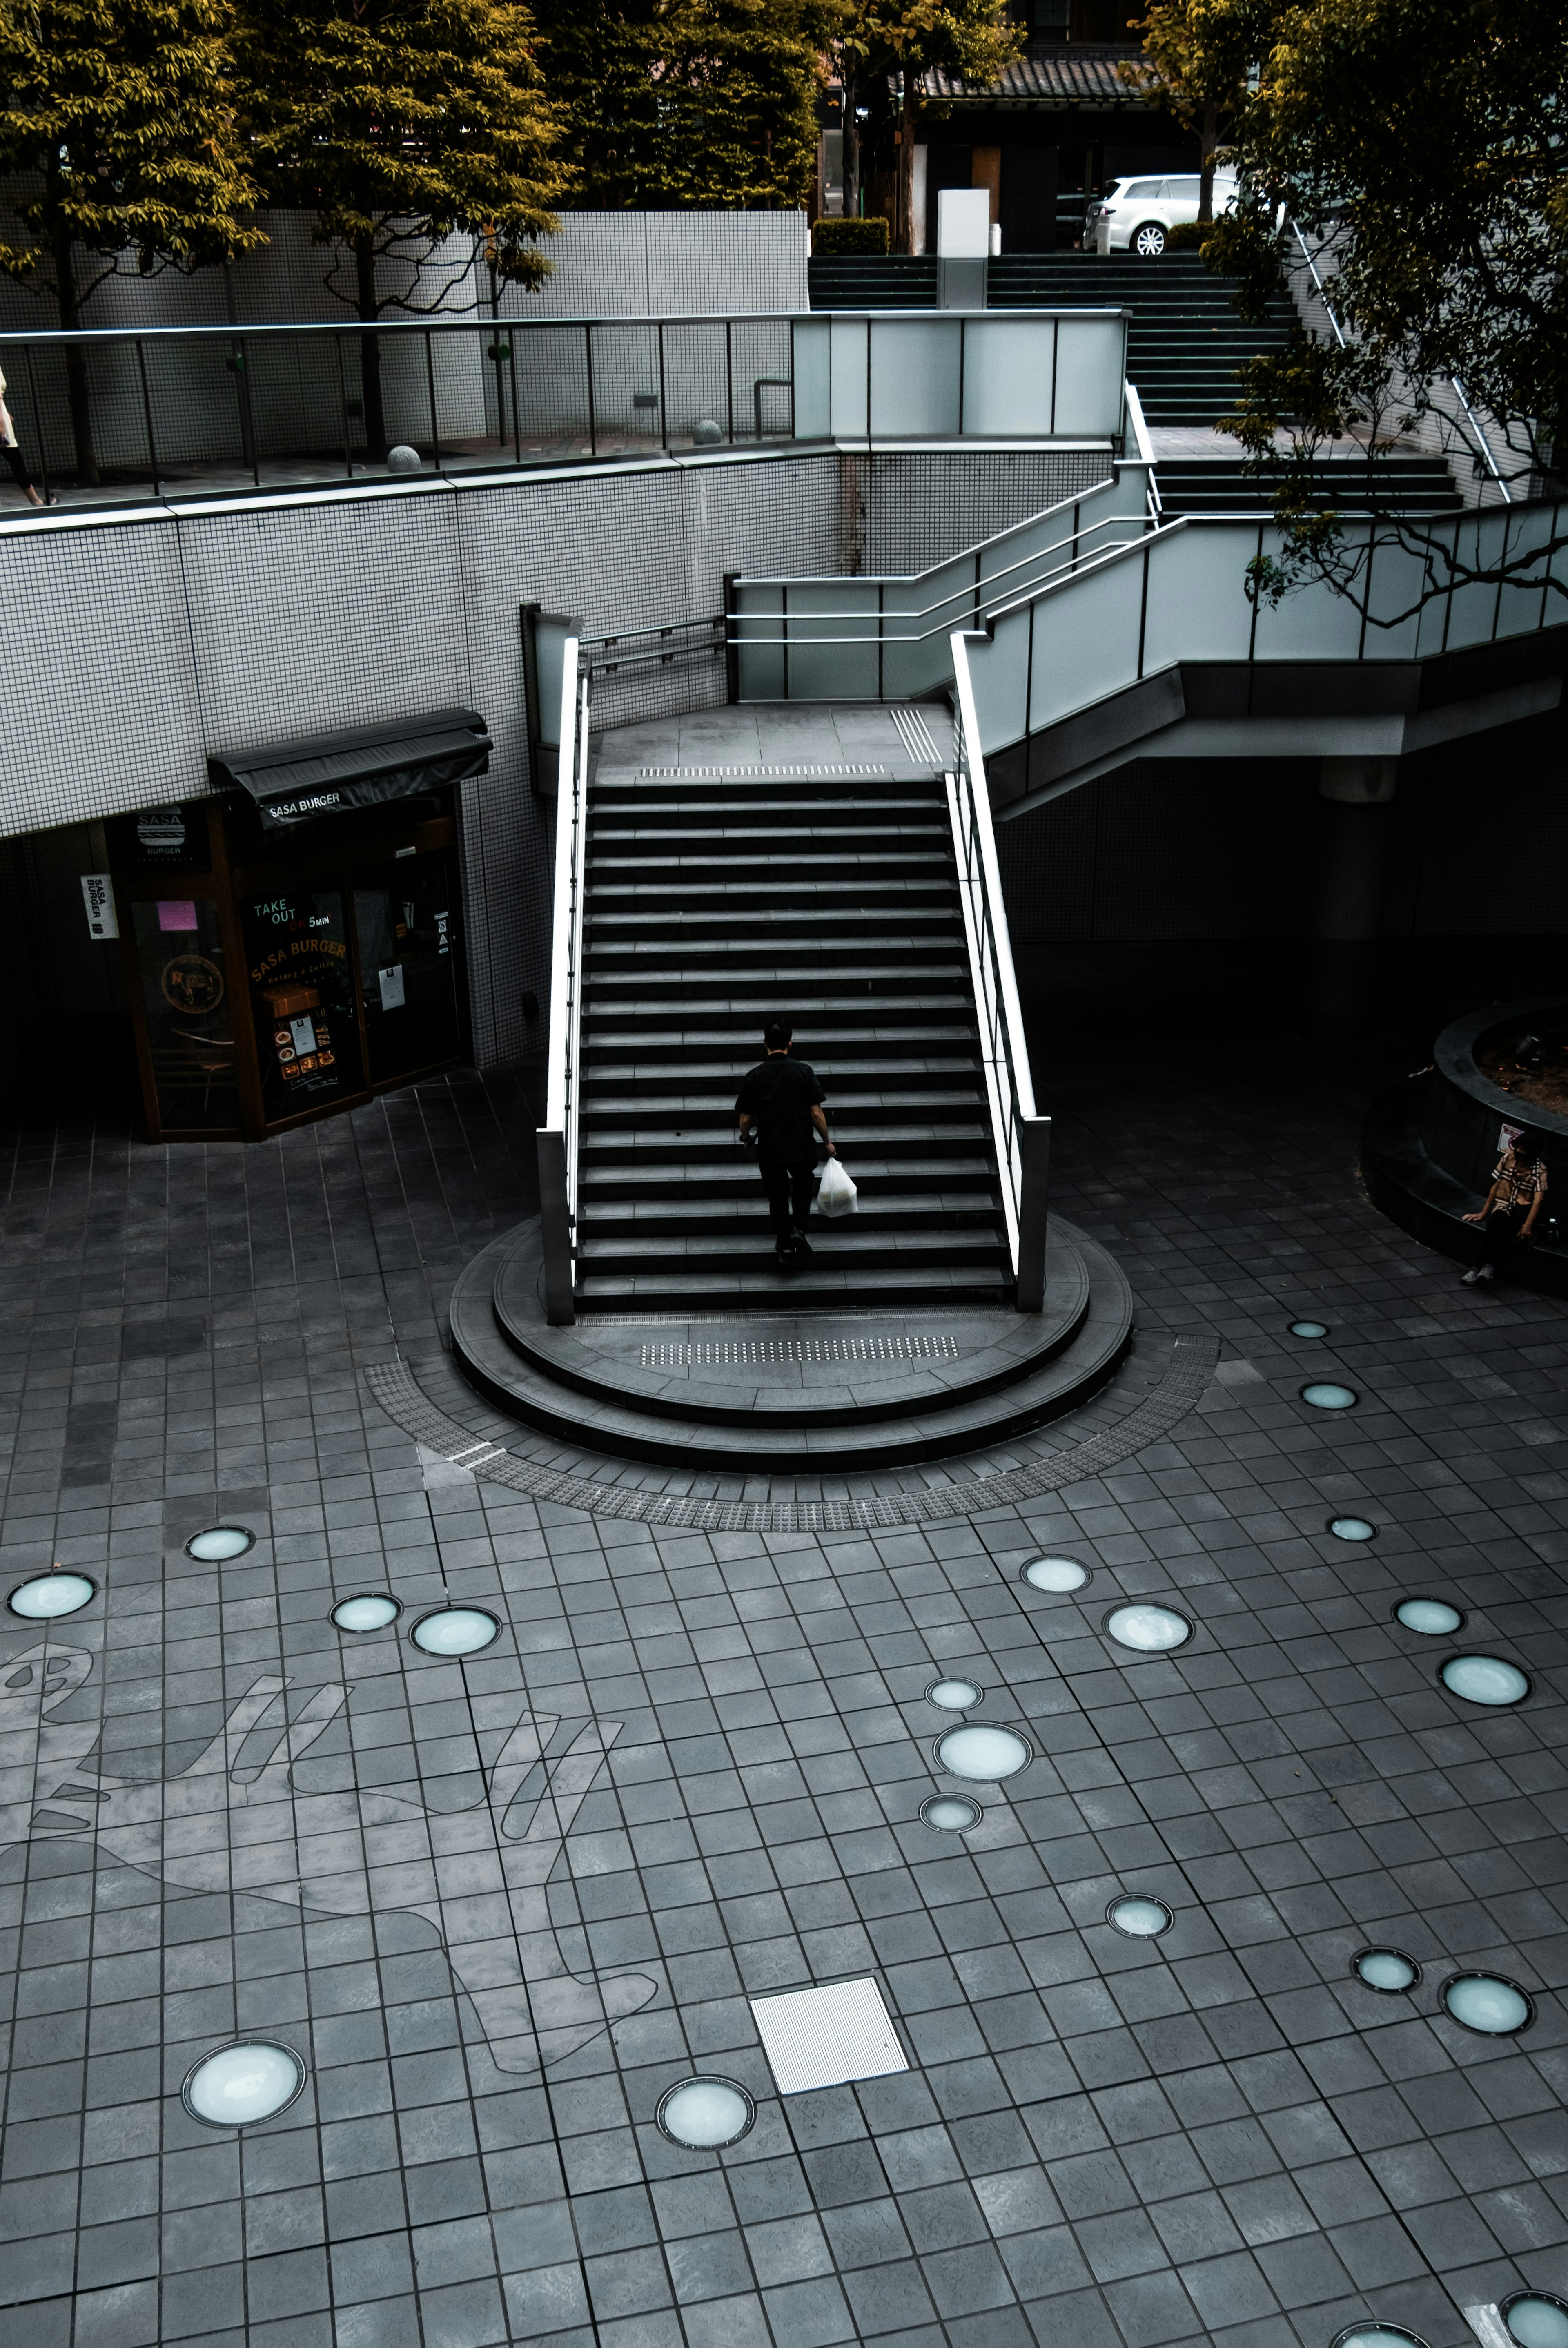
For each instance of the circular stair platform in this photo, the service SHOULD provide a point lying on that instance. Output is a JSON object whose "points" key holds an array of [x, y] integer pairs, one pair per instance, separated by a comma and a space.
{"points": [[769, 1388]]}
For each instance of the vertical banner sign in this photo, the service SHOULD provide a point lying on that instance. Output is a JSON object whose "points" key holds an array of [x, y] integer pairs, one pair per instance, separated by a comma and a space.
{"points": [[97, 894]]}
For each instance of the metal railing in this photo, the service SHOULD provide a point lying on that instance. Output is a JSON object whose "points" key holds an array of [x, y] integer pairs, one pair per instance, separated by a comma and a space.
{"points": [[1478, 430], [118, 415], [1022, 1137], [558, 1138], [799, 639]]}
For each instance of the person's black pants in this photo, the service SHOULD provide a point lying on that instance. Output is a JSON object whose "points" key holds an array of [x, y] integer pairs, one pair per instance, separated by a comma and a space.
{"points": [[1500, 1230], [18, 465], [790, 1193]]}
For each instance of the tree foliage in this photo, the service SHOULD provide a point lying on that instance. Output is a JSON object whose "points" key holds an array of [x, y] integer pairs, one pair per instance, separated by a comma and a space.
{"points": [[1424, 149], [672, 103], [398, 124], [903, 40], [1197, 58], [118, 122]]}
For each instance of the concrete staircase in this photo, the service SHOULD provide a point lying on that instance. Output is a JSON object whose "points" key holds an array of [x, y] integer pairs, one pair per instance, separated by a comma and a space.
{"points": [[712, 905], [1220, 485]]}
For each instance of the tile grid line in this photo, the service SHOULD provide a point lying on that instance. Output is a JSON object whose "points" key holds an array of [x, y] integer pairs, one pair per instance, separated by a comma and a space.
{"points": [[395, 1386]]}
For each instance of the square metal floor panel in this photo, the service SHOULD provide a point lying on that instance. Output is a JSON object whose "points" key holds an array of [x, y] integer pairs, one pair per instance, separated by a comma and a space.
{"points": [[825, 2037]]}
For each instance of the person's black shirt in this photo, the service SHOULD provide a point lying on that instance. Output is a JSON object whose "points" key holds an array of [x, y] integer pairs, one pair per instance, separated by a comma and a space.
{"points": [[778, 1095]]}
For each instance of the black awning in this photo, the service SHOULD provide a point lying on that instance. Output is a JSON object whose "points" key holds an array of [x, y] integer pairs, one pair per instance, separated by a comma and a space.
{"points": [[300, 781]]}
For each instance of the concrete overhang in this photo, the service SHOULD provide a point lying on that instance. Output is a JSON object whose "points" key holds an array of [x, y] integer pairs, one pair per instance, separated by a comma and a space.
{"points": [[1331, 709]]}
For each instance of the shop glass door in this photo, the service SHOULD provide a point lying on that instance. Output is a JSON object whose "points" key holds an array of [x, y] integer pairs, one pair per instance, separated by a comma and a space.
{"points": [[302, 988], [405, 919], [189, 1009]]}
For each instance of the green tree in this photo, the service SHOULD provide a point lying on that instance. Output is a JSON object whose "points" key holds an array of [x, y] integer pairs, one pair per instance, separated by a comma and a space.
{"points": [[399, 123], [689, 102], [901, 41], [1197, 58], [118, 119], [1424, 149]]}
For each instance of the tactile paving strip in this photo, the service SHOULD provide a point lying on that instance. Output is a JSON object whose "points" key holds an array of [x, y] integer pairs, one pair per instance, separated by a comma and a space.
{"points": [[765, 1353], [395, 1388]]}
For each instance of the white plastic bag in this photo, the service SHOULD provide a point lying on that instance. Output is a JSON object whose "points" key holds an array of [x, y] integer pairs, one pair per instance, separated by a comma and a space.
{"points": [[835, 1194]]}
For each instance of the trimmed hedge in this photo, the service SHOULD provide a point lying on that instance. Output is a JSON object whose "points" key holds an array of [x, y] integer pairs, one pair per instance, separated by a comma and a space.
{"points": [[1188, 236], [849, 235]]}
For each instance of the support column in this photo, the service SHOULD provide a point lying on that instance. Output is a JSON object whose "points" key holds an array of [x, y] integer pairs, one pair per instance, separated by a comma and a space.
{"points": [[1347, 916]]}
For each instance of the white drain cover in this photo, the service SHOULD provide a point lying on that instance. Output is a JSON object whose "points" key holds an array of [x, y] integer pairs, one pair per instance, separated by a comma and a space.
{"points": [[823, 2037]]}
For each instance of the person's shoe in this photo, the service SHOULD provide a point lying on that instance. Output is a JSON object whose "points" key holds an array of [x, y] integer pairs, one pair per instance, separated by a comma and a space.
{"points": [[799, 1243], [1477, 1271]]}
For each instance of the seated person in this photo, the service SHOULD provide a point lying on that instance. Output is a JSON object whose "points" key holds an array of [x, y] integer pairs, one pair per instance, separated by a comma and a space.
{"points": [[1512, 1205]]}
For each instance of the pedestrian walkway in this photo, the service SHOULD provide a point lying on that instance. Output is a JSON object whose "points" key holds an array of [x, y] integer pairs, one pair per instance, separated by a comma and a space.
{"points": [[494, 1910]]}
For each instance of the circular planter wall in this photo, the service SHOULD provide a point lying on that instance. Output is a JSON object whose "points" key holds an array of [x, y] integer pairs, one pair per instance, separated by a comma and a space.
{"points": [[1430, 1143]]}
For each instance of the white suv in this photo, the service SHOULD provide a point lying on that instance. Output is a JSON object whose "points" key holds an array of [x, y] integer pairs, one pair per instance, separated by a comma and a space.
{"points": [[1137, 213]]}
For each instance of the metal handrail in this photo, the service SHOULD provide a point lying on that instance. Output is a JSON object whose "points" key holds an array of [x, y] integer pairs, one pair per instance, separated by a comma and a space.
{"points": [[1322, 295], [558, 1138], [970, 600], [1021, 1137], [1477, 428], [1483, 443]]}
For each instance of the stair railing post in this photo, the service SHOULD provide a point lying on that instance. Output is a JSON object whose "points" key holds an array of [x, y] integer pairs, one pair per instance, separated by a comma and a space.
{"points": [[1034, 1149], [556, 1138]]}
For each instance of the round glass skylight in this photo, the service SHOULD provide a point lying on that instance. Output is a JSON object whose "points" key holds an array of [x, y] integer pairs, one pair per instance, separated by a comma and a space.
{"points": [[219, 1542], [51, 1594], [1352, 1528], [951, 1813], [1434, 1618], [1059, 1573], [983, 1751], [372, 1610], [705, 2114], [1536, 2319], [1377, 2335], [1140, 1919], [1484, 1678], [1309, 1328], [456, 1631], [236, 2086], [1389, 1970], [1324, 1394], [953, 1696], [1152, 1630], [1488, 2003]]}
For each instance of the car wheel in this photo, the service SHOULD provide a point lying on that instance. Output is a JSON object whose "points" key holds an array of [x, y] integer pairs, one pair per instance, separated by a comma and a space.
{"points": [[1149, 242]]}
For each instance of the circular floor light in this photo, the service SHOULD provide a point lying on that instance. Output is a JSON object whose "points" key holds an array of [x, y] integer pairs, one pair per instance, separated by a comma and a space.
{"points": [[48, 1595], [983, 1751], [1140, 1919], [1309, 1328], [1389, 1970], [1536, 2319], [951, 1813], [220, 1542], [372, 1610], [456, 1631], [236, 2086], [1488, 2003], [1484, 1678], [1434, 1618], [953, 1696], [1324, 1394], [1377, 2335], [1150, 1630], [1056, 1573], [705, 2114], [1352, 1528]]}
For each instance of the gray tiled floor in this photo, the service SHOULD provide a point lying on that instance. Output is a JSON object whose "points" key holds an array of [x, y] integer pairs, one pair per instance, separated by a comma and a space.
{"points": [[1218, 2136]]}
